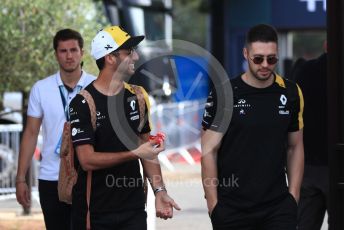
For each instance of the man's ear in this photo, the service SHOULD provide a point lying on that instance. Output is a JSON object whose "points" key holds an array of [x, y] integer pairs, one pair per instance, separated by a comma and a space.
{"points": [[110, 59], [245, 53]]}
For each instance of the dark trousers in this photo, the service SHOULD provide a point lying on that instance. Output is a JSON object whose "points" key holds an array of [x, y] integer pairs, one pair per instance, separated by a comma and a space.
{"points": [[314, 198], [57, 215], [280, 215], [125, 220]]}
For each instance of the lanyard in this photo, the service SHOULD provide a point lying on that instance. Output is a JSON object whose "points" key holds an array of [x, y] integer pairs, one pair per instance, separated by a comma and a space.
{"points": [[64, 99]]}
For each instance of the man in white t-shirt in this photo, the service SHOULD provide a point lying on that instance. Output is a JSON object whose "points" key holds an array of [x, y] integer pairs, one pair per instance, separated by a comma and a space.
{"points": [[48, 107]]}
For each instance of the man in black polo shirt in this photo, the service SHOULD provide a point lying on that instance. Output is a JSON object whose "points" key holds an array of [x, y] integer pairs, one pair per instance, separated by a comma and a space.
{"points": [[314, 199], [243, 168], [117, 199]]}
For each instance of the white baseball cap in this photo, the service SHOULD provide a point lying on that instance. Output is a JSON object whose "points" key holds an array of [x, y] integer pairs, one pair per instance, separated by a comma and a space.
{"points": [[111, 39]]}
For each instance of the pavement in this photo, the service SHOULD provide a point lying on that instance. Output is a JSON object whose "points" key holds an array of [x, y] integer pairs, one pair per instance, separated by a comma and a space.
{"points": [[184, 186], [12, 218]]}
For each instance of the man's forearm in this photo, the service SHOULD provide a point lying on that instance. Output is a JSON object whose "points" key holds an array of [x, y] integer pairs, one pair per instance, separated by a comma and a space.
{"points": [[295, 167], [209, 179], [151, 168], [295, 171], [27, 148], [28, 145], [152, 171], [210, 143], [90, 160]]}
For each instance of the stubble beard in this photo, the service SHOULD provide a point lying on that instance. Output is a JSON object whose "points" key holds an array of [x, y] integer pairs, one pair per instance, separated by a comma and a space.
{"points": [[259, 78]]}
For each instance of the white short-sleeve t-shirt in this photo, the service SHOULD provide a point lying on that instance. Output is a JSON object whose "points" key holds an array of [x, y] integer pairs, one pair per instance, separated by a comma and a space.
{"points": [[45, 102]]}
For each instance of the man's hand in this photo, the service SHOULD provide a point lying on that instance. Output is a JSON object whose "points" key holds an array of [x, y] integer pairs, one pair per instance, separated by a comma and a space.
{"points": [[211, 206], [149, 150], [158, 138], [164, 205], [23, 194], [296, 195]]}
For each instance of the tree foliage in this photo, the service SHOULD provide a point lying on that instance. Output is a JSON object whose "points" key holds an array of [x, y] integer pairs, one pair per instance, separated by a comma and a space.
{"points": [[190, 21], [308, 44], [27, 28]]}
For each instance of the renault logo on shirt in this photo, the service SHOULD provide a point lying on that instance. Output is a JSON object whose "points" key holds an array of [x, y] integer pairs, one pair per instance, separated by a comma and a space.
{"points": [[283, 99], [282, 108], [132, 104]]}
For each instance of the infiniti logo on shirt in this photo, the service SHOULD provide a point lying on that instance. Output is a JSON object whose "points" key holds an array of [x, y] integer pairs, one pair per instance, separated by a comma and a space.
{"points": [[241, 103], [100, 116]]}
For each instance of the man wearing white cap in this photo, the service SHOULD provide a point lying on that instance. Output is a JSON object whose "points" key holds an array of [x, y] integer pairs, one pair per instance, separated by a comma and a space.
{"points": [[117, 199]]}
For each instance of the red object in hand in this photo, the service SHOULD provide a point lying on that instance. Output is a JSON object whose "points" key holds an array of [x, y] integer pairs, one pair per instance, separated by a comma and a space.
{"points": [[158, 138]]}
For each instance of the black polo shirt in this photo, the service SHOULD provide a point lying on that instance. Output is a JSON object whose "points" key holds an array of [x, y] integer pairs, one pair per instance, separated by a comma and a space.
{"points": [[312, 79], [116, 188], [252, 156]]}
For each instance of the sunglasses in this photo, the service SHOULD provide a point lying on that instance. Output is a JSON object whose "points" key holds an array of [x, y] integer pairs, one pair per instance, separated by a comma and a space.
{"points": [[271, 60], [128, 51], [131, 50]]}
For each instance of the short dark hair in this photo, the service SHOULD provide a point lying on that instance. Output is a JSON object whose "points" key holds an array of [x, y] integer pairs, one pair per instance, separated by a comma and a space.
{"points": [[100, 63], [67, 34], [261, 33]]}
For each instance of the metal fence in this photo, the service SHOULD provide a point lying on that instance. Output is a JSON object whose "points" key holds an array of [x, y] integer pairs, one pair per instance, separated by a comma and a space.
{"points": [[181, 122], [9, 149]]}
